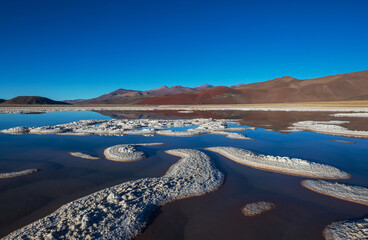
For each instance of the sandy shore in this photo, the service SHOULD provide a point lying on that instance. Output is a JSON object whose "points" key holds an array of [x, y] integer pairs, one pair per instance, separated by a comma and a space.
{"points": [[285, 165], [122, 211], [341, 191]]}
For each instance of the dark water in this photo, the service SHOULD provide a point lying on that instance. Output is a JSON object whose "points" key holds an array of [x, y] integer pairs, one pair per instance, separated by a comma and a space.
{"points": [[299, 213]]}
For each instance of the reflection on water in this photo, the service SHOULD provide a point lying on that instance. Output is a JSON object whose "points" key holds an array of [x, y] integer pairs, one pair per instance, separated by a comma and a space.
{"points": [[299, 213]]}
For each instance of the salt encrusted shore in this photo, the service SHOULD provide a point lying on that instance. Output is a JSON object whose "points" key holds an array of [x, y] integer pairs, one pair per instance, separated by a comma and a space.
{"points": [[122, 211], [285, 165], [365, 114], [256, 208], [234, 107], [136, 127], [347, 230], [328, 127], [18, 174], [83, 155], [356, 194]]}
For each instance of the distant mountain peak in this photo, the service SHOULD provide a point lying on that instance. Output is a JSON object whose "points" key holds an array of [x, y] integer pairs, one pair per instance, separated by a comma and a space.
{"points": [[203, 86], [32, 100]]}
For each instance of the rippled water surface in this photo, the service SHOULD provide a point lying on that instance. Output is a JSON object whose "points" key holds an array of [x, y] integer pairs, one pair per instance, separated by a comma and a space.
{"points": [[299, 213]]}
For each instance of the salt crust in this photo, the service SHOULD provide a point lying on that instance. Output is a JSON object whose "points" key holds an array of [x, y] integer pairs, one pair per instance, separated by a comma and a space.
{"points": [[328, 127], [122, 211], [127, 152], [350, 193], [146, 127], [256, 208], [285, 165], [18, 174], [273, 107], [347, 230], [83, 155], [365, 114]]}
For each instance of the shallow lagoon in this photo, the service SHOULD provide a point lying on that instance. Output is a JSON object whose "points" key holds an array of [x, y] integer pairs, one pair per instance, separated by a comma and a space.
{"points": [[299, 213]]}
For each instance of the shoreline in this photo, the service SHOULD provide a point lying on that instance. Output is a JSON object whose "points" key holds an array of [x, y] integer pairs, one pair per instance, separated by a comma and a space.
{"points": [[344, 106]]}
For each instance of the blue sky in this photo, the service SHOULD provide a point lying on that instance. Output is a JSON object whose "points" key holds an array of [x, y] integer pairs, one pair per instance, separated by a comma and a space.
{"points": [[81, 49]]}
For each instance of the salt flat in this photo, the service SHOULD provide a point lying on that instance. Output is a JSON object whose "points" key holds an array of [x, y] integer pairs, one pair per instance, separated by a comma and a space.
{"points": [[122, 211]]}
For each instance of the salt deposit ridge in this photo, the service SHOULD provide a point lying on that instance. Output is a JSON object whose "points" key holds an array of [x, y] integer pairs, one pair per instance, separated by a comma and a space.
{"points": [[350, 193], [350, 114], [347, 230], [18, 174], [253, 107], [83, 155], [145, 127], [286, 165], [328, 127], [122, 211], [256, 208]]}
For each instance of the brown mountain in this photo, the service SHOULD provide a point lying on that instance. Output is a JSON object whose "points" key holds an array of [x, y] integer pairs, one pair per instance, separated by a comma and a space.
{"points": [[123, 96], [341, 87], [28, 100], [2, 100]]}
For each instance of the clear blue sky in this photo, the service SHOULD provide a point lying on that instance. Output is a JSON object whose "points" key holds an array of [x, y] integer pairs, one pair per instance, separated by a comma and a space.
{"points": [[71, 49]]}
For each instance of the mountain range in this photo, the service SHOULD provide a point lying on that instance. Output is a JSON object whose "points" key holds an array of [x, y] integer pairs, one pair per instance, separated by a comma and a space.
{"points": [[31, 100], [123, 96], [340, 87]]}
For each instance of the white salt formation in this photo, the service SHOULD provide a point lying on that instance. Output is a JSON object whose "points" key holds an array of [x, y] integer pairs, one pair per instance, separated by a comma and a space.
{"points": [[365, 114], [83, 155], [144, 127], [127, 152], [256, 208], [347, 230], [122, 211], [18, 174], [350, 193], [286, 165], [16, 130], [328, 127], [232, 135], [124, 153], [232, 107]]}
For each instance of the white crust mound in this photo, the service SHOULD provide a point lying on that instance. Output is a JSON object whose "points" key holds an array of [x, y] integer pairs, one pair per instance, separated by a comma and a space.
{"points": [[127, 152], [124, 153], [286, 165], [256, 208], [122, 211], [328, 127], [18, 174], [347, 230], [350, 193], [83, 155]]}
